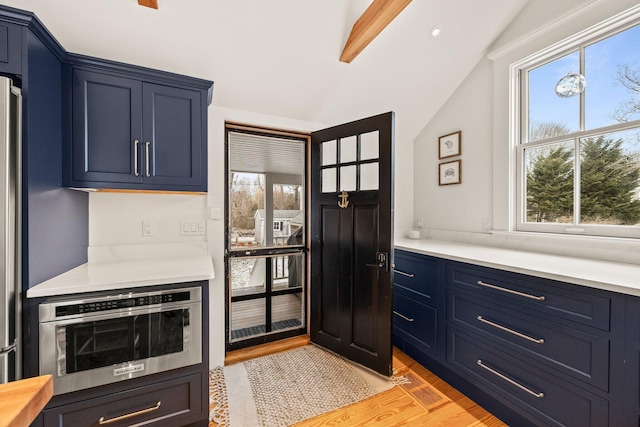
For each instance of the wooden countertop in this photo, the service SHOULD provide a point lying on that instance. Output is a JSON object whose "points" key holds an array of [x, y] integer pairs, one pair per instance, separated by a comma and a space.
{"points": [[21, 401]]}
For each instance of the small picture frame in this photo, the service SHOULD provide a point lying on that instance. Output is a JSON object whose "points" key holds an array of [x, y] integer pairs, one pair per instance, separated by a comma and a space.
{"points": [[449, 173], [450, 145]]}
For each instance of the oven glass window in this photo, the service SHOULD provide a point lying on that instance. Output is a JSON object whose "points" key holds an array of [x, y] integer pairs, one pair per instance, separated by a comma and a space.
{"points": [[91, 345]]}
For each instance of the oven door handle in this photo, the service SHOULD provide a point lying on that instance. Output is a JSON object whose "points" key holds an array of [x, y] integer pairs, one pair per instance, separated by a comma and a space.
{"points": [[102, 421]]}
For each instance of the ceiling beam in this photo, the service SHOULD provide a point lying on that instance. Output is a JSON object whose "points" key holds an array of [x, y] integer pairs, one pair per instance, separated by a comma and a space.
{"points": [[149, 3], [377, 16]]}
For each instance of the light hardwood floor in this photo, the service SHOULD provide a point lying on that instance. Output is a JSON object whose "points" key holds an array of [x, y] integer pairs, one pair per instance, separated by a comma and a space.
{"points": [[425, 401]]}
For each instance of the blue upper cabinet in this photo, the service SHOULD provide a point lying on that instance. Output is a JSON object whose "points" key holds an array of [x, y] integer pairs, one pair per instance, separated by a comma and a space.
{"points": [[138, 129], [107, 129], [172, 137], [10, 48]]}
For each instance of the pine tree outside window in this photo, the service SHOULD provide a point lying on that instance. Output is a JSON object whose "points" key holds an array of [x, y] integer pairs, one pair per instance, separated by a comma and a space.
{"points": [[578, 154]]}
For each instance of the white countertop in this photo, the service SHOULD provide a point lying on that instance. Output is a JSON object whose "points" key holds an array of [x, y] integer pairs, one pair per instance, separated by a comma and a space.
{"points": [[116, 272], [610, 276]]}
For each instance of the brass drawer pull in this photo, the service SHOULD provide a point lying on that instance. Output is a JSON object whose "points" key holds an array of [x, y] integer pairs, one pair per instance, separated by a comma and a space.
{"points": [[404, 274], [102, 421], [511, 291], [510, 381], [511, 331], [403, 316]]}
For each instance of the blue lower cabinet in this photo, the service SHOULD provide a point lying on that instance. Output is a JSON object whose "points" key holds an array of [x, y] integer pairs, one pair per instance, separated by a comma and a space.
{"points": [[418, 304], [571, 351], [531, 350], [175, 402], [414, 323], [540, 393]]}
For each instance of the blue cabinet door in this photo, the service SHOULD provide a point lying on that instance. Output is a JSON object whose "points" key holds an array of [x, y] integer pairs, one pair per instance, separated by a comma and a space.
{"points": [[10, 48], [173, 150], [107, 127]]}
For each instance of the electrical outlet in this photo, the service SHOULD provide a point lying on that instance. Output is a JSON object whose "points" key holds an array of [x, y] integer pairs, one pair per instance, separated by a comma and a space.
{"points": [[148, 228]]}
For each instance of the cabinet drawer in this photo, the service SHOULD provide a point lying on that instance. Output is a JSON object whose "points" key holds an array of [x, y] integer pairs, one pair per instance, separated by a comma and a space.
{"points": [[175, 402], [576, 353], [414, 322], [417, 273], [536, 391], [10, 48], [540, 296]]}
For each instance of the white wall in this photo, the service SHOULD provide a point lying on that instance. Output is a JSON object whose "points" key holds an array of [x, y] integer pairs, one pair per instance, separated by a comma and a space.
{"points": [[116, 218], [460, 206], [480, 108]]}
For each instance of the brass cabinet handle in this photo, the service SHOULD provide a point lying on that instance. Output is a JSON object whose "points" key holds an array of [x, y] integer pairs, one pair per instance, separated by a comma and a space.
{"points": [[511, 331], [135, 158], [148, 159], [511, 291], [539, 395], [404, 274], [403, 316], [102, 421]]}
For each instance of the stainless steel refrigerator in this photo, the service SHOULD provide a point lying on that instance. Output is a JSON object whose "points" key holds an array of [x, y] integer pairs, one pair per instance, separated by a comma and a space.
{"points": [[10, 235]]}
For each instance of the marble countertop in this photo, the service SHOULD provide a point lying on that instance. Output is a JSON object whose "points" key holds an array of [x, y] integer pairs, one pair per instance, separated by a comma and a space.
{"points": [[610, 276], [120, 270]]}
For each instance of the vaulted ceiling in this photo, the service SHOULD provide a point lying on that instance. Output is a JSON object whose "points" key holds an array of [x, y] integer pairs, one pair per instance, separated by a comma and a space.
{"points": [[281, 57]]}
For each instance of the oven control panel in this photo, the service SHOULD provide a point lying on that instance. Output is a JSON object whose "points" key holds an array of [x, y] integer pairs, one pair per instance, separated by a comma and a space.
{"points": [[96, 306]]}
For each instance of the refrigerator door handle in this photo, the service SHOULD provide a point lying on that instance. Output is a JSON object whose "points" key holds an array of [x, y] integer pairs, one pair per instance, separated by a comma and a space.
{"points": [[9, 349]]}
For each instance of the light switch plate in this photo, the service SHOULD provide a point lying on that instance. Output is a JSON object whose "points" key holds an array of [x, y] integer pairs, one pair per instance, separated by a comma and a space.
{"points": [[192, 227]]}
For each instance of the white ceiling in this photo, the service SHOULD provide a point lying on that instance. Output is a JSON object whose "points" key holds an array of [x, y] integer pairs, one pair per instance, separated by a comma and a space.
{"points": [[280, 57]]}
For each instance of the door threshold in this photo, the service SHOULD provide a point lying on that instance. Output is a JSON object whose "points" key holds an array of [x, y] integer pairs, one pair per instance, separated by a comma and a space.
{"points": [[243, 354]]}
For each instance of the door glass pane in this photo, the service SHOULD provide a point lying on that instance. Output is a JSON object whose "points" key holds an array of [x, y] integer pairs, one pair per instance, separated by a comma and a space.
{"points": [[348, 178], [329, 153], [329, 180], [292, 273], [349, 149], [549, 183], [549, 114], [369, 176], [266, 178], [288, 212], [246, 208], [247, 276], [286, 312], [247, 319], [610, 178], [369, 145]]}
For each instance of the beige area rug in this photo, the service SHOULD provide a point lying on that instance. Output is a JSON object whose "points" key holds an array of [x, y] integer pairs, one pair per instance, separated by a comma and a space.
{"points": [[285, 388]]}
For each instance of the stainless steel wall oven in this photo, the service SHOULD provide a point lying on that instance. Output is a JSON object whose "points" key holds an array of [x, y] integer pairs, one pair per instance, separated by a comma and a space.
{"points": [[94, 340]]}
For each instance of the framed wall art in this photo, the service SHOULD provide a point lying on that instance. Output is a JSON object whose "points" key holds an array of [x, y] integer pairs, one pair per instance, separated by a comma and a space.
{"points": [[450, 145], [449, 172]]}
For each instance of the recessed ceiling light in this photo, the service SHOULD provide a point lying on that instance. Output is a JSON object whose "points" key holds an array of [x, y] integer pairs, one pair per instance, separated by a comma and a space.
{"points": [[435, 31]]}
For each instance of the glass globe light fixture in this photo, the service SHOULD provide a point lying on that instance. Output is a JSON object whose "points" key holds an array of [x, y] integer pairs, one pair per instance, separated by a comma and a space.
{"points": [[571, 85]]}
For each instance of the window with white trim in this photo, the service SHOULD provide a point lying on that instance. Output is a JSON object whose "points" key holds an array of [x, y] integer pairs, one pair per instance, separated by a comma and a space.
{"points": [[578, 148]]}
